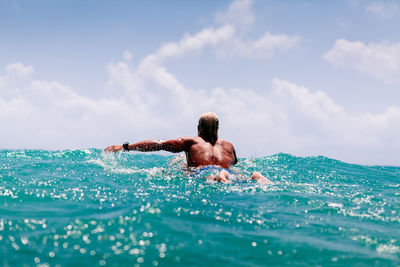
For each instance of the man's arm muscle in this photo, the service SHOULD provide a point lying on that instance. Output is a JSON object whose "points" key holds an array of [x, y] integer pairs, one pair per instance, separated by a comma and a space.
{"points": [[178, 145]]}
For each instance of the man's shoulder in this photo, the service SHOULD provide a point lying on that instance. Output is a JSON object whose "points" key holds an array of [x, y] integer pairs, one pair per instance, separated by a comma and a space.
{"points": [[190, 139], [224, 143]]}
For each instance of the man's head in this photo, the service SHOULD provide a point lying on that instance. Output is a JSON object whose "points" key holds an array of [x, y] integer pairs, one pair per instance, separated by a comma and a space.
{"points": [[208, 127]]}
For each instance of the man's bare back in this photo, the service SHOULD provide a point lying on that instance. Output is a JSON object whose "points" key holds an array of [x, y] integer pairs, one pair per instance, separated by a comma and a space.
{"points": [[202, 153]]}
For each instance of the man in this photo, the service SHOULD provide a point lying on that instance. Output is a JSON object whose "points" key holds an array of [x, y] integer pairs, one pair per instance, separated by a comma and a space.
{"points": [[205, 151]]}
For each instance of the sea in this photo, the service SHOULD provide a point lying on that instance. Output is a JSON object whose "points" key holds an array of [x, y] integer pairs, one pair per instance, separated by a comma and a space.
{"points": [[90, 208]]}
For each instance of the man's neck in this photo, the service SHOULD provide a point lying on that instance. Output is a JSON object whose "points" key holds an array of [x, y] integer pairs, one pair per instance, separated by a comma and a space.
{"points": [[210, 139]]}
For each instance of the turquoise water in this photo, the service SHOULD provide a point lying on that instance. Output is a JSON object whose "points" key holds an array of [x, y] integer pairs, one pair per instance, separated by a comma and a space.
{"points": [[74, 208]]}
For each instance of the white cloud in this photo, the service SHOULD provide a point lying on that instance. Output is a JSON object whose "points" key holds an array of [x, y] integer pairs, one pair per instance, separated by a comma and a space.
{"points": [[227, 40], [15, 77], [193, 43], [288, 117], [238, 14], [226, 43], [355, 3], [381, 61], [382, 10], [18, 70], [127, 55], [150, 72], [42, 114], [262, 48]]}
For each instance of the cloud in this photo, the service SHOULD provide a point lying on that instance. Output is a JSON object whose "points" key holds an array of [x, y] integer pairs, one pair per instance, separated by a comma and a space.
{"points": [[354, 3], [239, 14], [226, 43], [382, 10], [263, 48], [286, 118], [193, 43], [127, 55], [47, 114], [381, 61], [151, 72], [228, 40]]}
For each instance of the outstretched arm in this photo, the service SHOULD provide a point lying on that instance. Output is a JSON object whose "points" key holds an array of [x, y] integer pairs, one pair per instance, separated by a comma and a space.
{"points": [[175, 146]]}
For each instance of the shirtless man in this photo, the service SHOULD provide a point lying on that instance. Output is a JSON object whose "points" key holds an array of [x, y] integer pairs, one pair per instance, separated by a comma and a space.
{"points": [[203, 150]]}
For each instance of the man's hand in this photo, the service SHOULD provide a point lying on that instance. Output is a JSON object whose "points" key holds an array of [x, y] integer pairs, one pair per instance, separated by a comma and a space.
{"points": [[114, 148]]}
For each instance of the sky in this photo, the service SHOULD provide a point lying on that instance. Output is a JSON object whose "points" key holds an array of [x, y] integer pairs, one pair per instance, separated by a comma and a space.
{"points": [[307, 78]]}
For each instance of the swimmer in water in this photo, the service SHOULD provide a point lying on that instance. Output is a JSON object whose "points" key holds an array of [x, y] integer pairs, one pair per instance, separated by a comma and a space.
{"points": [[204, 151]]}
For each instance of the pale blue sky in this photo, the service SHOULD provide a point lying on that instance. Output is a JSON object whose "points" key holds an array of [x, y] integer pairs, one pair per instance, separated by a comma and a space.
{"points": [[347, 50]]}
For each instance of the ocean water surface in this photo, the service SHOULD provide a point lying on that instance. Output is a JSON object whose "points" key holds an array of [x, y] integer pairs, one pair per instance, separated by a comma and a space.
{"points": [[84, 207]]}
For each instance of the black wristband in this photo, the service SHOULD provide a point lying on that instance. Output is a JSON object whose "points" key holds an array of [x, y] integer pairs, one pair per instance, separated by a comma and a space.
{"points": [[125, 146]]}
